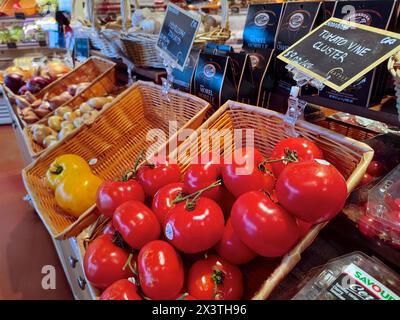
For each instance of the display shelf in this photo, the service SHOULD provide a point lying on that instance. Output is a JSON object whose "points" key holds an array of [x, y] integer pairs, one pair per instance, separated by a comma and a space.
{"points": [[384, 112]]}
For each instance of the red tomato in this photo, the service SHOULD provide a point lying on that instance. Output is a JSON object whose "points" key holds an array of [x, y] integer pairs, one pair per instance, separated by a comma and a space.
{"points": [[263, 225], [192, 230], [232, 249], [226, 202], [104, 262], [314, 191], [297, 149], [246, 173], [368, 226], [156, 175], [202, 173], [161, 271], [136, 223], [121, 290], [112, 194], [366, 179], [162, 201], [376, 169], [304, 227], [214, 278]]}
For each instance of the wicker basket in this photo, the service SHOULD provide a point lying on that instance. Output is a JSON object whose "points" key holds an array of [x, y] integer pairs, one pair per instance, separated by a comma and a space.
{"points": [[141, 49], [90, 71], [115, 139], [351, 157], [105, 85]]}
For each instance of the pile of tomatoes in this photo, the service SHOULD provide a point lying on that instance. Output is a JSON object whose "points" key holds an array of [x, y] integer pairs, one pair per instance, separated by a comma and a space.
{"points": [[221, 214]]}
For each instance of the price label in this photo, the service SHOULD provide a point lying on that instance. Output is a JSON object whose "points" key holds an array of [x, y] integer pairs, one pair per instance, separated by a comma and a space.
{"points": [[340, 52], [177, 35]]}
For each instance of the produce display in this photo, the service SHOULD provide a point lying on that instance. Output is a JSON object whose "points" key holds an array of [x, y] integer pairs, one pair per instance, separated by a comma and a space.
{"points": [[65, 120], [162, 219]]}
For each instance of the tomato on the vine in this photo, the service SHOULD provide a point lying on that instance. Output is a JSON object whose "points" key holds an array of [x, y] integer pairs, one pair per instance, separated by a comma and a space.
{"points": [[157, 174], [161, 272], [304, 227], [293, 149], [136, 223], [314, 191], [200, 174], [195, 226], [232, 249], [262, 225], [247, 172], [111, 194], [213, 278], [121, 290], [163, 200], [105, 262]]}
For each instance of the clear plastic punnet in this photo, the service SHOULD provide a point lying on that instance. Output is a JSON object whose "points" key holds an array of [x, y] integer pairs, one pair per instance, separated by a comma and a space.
{"points": [[355, 276], [383, 208]]}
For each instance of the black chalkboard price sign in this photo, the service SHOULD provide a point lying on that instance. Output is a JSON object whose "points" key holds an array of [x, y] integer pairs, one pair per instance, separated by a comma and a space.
{"points": [[177, 35], [340, 52]]}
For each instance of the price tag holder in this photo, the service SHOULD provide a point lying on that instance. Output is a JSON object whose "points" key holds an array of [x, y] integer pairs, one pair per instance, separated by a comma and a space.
{"points": [[82, 48], [11, 45], [177, 35], [339, 52]]}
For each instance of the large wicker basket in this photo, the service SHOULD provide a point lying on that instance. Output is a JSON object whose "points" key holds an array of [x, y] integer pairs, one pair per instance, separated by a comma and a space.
{"points": [[90, 71], [141, 49], [351, 157], [115, 139], [104, 85]]}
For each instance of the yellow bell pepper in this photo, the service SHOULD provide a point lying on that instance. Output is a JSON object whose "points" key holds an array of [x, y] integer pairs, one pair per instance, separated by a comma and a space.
{"points": [[63, 166], [77, 193]]}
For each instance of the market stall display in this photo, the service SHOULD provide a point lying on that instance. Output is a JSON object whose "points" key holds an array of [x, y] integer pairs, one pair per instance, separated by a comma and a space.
{"points": [[183, 234], [196, 193]]}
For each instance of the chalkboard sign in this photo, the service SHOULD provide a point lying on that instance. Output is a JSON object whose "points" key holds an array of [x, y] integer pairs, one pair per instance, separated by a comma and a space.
{"points": [[177, 35], [340, 52], [82, 48]]}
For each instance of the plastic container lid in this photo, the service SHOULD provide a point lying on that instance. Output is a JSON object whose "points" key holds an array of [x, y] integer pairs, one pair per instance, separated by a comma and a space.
{"points": [[352, 277]]}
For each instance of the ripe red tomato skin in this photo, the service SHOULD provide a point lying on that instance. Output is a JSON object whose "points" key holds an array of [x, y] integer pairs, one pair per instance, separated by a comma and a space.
{"points": [[161, 272], [240, 178], [112, 194], [305, 150], [104, 261], [136, 223], [304, 227], [195, 230], [232, 249], [201, 286], [312, 191], [162, 201], [200, 175], [121, 290], [263, 226], [154, 178], [376, 169]]}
